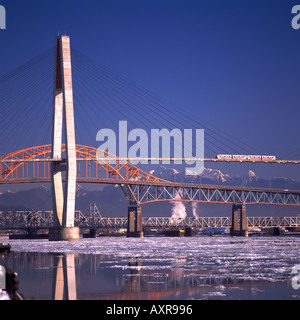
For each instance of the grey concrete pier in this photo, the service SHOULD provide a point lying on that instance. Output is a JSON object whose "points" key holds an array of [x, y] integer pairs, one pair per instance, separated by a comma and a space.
{"points": [[64, 233], [135, 225], [239, 229]]}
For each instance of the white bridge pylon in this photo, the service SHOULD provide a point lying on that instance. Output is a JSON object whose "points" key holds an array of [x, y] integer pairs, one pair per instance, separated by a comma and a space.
{"points": [[63, 116]]}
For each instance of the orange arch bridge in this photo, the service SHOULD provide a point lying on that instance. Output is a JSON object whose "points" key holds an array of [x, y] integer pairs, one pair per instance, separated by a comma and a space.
{"points": [[33, 165]]}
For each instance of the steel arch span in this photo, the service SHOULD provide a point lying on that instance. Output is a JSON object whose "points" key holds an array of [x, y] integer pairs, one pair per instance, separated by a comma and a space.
{"points": [[33, 165]]}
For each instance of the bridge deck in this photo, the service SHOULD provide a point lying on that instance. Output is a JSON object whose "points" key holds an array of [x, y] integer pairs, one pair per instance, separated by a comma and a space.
{"points": [[108, 159], [152, 191]]}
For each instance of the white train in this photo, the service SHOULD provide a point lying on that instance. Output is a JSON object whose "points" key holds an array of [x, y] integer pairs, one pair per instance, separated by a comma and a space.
{"points": [[245, 157]]}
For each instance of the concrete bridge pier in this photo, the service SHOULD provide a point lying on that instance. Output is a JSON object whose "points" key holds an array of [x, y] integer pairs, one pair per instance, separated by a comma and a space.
{"points": [[135, 224], [239, 229], [63, 233]]}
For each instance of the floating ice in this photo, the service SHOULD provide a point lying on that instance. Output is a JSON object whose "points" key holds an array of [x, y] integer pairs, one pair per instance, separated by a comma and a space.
{"points": [[217, 260]]}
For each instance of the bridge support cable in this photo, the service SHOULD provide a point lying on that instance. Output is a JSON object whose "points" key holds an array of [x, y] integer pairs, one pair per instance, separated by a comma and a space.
{"points": [[291, 155], [28, 90], [112, 99], [153, 105], [137, 110]]}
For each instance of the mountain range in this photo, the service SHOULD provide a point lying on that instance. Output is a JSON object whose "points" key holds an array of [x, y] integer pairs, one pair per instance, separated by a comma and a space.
{"points": [[112, 202], [216, 177]]}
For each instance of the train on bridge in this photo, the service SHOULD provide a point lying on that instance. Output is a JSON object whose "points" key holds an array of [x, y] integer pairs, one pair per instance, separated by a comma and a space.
{"points": [[245, 157]]}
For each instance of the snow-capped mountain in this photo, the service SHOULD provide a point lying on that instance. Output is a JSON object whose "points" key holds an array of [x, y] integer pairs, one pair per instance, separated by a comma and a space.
{"points": [[172, 174], [214, 174], [217, 177]]}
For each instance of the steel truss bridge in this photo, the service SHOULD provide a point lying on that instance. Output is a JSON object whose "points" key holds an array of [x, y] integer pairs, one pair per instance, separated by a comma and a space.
{"points": [[33, 165], [35, 220]]}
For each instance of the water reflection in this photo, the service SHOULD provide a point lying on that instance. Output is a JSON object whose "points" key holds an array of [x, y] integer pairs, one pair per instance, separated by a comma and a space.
{"points": [[209, 271], [77, 276], [64, 278]]}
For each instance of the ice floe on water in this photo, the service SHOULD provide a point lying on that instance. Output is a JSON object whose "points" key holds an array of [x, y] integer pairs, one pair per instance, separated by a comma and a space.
{"points": [[219, 259]]}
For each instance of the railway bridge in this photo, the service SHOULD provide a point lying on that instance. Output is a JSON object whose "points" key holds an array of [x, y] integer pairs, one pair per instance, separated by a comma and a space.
{"points": [[37, 220]]}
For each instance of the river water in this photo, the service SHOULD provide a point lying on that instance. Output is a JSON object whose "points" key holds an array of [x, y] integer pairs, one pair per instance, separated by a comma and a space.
{"points": [[219, 267]]}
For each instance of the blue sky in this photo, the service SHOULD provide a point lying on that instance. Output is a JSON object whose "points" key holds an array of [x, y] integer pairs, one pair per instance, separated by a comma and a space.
{"points": [[234, 64]]}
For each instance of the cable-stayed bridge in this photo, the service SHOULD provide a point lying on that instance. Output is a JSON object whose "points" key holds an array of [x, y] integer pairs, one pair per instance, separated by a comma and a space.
{"points": [[64, 164]]}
